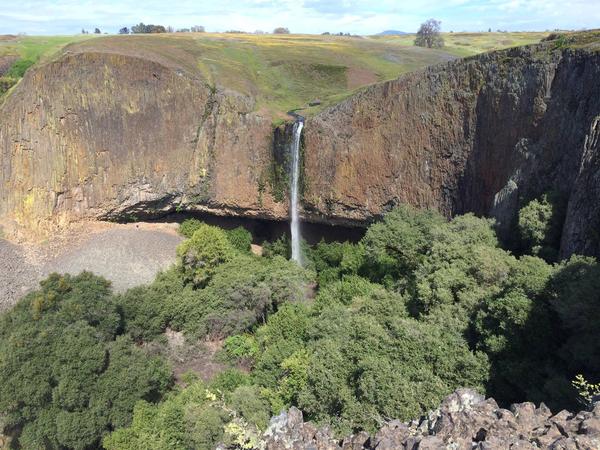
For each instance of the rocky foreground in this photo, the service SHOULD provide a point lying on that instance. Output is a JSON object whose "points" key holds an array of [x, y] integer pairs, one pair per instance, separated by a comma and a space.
{"points": [[464, 420]]}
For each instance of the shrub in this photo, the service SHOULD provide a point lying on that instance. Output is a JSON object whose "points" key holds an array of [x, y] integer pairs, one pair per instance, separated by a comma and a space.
{"points": [[395, 246], [241, 293], [334, 260], [575, 297], [462, 267], [6, 83], [148, 310], [19, 67], [534, 221], [240, 239], [240, 346], [280, 247], [367, 363], [248, 401], [200, 255], [539, 228], [187, 419], [189, 226]]}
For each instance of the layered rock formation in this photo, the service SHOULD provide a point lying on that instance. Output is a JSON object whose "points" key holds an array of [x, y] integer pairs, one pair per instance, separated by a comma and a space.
{"points": [[124, 135], [108, 135], [485, 134], [464, 420]]}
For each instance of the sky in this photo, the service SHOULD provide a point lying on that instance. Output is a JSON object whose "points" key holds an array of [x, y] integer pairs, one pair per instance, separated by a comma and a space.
{"points": [[48, 17]]}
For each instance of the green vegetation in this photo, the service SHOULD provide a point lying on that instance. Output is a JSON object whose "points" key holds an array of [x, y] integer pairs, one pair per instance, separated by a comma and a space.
{"points": [[28, 51], [468, 44], [281, 71], [67, 373], [239, 238], [200, 255], [586, 390], [382, 328], [540, 223]]}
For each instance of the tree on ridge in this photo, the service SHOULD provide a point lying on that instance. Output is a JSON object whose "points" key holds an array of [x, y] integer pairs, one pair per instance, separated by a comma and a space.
{"points": [[429, 34]]}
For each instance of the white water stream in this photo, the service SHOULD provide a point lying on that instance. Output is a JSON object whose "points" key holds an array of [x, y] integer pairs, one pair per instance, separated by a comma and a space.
{"points": [[295, 219]]}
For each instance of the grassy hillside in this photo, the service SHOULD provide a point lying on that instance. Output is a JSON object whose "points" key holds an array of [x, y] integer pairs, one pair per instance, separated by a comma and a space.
{"points": [[282, 72], [36, 48], [468, 44]]}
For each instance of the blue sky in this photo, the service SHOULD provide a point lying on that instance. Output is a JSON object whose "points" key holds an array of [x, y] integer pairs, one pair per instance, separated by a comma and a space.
{"points": [[300, 16]]}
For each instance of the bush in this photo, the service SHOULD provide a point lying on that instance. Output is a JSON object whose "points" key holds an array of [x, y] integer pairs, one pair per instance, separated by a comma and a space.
{"points": [[240, 239], [280, 247], [190, 418], [6, 83], [240, 346], [462, 267], [369, 361], [189, 226], [575, 297], [248, 401], [334, 260], [240, 294], [200, 255], [540, 227], [394, 247], [148, 310]]}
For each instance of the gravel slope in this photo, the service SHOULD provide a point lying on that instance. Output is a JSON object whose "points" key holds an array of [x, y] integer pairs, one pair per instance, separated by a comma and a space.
{"points": [[127, 255]]}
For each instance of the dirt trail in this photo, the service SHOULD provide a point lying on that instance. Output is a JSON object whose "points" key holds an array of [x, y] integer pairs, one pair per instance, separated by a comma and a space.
{"points": [[126, 254]]}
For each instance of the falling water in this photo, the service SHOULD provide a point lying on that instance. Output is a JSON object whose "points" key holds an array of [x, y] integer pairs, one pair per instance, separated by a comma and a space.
{"points": [[295, 222]]}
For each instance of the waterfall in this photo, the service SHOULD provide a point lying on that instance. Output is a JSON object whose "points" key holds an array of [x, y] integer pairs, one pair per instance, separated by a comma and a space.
{"points": [[295, 219]]}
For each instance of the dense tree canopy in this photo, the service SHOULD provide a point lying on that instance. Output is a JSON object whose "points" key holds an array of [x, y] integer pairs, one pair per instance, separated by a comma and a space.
{"points": [[380, 328], [66, 375]]}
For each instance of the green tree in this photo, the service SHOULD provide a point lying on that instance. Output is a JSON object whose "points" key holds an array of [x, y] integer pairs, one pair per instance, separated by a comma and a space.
{"points": [[66, 375], [200, 255], [241, 293], [394, 247], [540, 227], [240, 239], [429, 35], [189, 226]]}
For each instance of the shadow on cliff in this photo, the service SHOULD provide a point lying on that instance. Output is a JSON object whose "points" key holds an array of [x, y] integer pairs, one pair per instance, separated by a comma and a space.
{"points": [[546, 339], [270, 230]]}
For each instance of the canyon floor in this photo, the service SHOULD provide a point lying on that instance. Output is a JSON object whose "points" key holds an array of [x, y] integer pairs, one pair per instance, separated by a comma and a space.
{"points": [[126, 254]]}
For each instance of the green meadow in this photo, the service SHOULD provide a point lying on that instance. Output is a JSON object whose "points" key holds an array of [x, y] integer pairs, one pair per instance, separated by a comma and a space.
{"points": [[282, 72]]}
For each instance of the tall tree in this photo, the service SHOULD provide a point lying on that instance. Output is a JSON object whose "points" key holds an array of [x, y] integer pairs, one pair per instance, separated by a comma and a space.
{"points": [[429, 34], [124, 30]]}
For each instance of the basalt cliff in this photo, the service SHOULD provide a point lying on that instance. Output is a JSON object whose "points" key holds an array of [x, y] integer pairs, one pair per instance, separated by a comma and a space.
{"points": [[117, 135]]}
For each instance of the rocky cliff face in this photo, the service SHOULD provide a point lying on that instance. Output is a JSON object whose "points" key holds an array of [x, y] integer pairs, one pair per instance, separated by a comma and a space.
{"points": [[464, 420], [114, 135], [485, 134]]}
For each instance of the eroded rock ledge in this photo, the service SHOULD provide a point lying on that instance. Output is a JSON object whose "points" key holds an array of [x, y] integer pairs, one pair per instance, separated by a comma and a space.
{"points": [[464, 420]]}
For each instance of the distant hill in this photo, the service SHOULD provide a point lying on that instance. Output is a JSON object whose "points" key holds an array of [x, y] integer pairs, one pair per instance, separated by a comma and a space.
{"points": [[391, 33]]}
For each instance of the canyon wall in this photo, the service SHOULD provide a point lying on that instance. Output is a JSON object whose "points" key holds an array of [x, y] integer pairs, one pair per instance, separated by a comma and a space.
{"points": [[115, 136], [118, 136], [486, 134]]}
